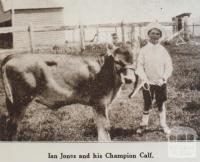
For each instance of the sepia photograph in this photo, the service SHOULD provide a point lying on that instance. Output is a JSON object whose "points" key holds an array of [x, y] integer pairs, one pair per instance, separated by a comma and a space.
{"points": [[99, 71]]}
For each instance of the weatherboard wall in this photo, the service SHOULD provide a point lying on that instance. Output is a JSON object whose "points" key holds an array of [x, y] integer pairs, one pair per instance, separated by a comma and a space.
{"points": [[38, 17]]}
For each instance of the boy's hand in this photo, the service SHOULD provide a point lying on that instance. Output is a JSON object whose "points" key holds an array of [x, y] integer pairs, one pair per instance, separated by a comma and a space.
{"points": [[161, 81]]}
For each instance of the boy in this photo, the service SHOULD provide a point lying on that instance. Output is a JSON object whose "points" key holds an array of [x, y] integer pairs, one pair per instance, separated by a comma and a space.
{"points": [[154, 66]]}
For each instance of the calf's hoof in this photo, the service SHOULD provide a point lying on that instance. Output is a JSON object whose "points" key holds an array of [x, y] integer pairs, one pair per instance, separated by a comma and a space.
{"points": [[166, 130], [11, 132], [141, 129]]}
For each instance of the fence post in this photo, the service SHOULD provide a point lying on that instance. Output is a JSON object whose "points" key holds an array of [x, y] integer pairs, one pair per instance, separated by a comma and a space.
{"points": [[31, 35], [97, 35], [73, 36], [83, 34], [82, 43], [140, 31], [123, 33], [193, 30], [115, 29], [185, 28], [132, 35]]}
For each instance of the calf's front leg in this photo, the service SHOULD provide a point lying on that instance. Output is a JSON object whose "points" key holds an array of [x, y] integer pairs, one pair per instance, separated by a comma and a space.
{"points": [[102, 123]]}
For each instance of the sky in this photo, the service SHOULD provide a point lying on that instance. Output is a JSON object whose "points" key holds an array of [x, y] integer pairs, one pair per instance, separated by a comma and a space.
{"points": [[113, 11]]}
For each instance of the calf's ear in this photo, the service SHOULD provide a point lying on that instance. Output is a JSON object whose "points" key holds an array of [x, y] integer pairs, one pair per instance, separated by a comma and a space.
{"points": [[110, 49]]}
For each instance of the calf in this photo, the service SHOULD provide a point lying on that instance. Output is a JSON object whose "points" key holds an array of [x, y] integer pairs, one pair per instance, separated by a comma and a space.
{"points": [[59, 80]]}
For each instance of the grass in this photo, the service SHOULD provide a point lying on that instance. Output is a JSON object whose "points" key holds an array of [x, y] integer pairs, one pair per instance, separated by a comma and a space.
{"points": [[75, 122]]}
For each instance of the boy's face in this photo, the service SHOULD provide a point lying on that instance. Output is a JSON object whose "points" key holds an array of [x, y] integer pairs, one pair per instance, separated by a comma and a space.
{"points": [[154, 34], [115, 39]]}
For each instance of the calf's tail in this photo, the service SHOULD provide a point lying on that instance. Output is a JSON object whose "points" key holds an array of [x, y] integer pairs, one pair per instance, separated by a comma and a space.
{"points": [[6, 84]]}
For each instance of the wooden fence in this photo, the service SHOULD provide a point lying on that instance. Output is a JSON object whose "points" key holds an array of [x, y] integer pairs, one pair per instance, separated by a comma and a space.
{"points": [[32, 29]]}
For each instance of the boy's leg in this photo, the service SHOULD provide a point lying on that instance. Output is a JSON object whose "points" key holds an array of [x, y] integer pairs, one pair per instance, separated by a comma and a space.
{"points": [[147, 95], [161, 97], [144, 123], [147, 105], [145, 118], [163, 122]]}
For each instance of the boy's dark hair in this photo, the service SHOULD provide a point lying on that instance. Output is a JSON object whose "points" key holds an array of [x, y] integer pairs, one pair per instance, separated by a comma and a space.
{"points": [[157, 30]]}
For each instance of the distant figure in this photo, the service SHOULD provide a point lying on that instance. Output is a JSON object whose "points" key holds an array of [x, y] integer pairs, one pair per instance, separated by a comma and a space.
{"points": [[115, 40], [143, 42], [128, 44], [154, 67]]}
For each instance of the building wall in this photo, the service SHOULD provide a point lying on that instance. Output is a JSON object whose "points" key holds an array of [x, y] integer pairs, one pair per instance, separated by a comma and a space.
{"points": [[39, 17], [5, 21], [4, 16]]}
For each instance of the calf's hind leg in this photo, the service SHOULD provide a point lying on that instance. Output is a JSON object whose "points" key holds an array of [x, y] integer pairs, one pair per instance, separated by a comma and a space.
{"points": [[16, 113]]}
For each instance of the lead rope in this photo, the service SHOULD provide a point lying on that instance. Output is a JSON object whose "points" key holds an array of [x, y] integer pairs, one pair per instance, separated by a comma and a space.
{"points": [[142, 85], [147, 88]]}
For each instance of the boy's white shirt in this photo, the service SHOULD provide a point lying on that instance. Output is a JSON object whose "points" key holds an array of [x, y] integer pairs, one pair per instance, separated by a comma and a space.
{"points": [[154, 63]]}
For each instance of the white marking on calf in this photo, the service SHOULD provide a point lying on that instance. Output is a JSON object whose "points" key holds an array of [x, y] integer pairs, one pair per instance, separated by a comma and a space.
{"points": [[103, 126]]}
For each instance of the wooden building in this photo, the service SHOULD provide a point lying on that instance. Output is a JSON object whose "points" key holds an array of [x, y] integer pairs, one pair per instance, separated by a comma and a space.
{"points": [[180, 22], [31, 13]]}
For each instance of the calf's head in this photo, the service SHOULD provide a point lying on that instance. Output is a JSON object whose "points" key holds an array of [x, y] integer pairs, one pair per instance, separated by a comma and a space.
{"points": [[123, 62]]}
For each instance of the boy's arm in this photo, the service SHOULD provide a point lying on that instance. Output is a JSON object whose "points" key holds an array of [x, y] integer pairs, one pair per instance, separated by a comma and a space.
{"points": [[168, 66], [140, 66]]}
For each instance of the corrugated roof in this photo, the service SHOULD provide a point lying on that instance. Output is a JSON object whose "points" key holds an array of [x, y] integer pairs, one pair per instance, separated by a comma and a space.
{"points": [[31, 4]]}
